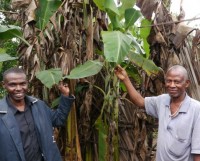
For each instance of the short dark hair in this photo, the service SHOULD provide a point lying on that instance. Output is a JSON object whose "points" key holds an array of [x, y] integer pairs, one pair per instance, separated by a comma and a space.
{"points": [[13, 70]]}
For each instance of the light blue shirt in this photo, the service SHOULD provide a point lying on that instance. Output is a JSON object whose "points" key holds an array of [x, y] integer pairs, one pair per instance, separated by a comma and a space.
{"points": [[179, 136]]}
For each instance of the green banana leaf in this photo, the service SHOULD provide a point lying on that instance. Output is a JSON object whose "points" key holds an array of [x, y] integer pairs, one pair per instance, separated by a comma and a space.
{"points": [[147, 65], [116, 46], [114, 18], [136, 46], [111, 6], [50, 77], [6, 57], [125, 5], [131, 16], [46, 9], [113, 14], [100, 4], [89, 68], [105, 5], [144, 33], [9, 32]]}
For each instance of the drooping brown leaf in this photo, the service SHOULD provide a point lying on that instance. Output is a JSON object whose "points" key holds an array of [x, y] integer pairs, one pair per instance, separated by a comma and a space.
{"points": [[30, 12], [181, 33], [147, 7]]}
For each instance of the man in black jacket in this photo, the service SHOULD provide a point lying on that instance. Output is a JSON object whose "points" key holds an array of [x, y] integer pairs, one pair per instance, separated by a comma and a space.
{"points": [[26, 123]]}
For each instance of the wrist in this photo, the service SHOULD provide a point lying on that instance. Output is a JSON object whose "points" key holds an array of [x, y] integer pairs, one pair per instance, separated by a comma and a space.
{"points": [[126, 80], [66, 94]]}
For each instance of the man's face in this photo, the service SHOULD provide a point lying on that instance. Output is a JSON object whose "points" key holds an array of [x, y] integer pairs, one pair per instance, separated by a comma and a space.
{"points": [[16, 86], [176, 83]]}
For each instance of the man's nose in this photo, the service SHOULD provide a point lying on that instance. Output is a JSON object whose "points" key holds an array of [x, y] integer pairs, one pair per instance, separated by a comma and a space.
{"points": [[18, 87], [172, 84]]}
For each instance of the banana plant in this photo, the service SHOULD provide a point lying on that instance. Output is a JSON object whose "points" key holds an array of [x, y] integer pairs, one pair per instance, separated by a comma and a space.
{"points": [[121, 46]]}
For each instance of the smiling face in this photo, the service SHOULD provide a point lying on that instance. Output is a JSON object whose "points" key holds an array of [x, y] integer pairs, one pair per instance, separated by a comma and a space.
{"points": [[176, 83], [16, 85]]}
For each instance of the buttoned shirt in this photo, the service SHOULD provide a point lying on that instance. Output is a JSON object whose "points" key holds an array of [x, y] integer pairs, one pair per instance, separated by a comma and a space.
{"points": [[179, 136]]}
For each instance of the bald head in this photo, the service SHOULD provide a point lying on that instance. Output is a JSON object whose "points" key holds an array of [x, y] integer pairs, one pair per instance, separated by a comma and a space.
{"points": [[180, 69]]}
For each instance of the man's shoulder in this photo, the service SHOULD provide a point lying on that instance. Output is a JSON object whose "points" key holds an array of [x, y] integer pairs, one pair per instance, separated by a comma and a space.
{"points": [[3, 104], [33, 99], [2, 100], [161, 96], [195, 102], [164, 95]]}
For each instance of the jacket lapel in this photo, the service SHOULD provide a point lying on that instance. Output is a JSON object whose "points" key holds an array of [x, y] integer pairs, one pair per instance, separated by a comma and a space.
{"points": [[36, 118], [11, 123]]}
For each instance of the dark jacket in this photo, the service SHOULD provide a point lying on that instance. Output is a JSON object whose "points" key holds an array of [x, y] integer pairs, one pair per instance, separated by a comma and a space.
{"points": [[11, 148]]}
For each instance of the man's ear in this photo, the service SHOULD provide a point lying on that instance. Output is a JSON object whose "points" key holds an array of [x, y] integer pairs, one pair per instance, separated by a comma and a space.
{"points": [[187, 83]]}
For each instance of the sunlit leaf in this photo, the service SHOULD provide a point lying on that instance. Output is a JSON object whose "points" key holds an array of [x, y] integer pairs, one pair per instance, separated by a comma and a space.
{"points": [[107, 5], [113, 14], [111, 6], [116, 45], [144, 33], [125, 5], [50, 77], [89, 68], [100, 4], [146, 48]]}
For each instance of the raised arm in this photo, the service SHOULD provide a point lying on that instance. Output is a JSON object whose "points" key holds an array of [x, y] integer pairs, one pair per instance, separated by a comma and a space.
{"points": [[135, 96], [59, 115]]}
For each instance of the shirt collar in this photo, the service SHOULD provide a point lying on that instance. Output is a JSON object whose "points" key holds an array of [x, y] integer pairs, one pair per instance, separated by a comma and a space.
{"points": [[185, 105], [13, 109], [28, 102]]}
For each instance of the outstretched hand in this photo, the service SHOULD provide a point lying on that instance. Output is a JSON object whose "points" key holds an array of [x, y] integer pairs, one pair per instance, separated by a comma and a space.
{"points": [[64, 89], [120, 73]]}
